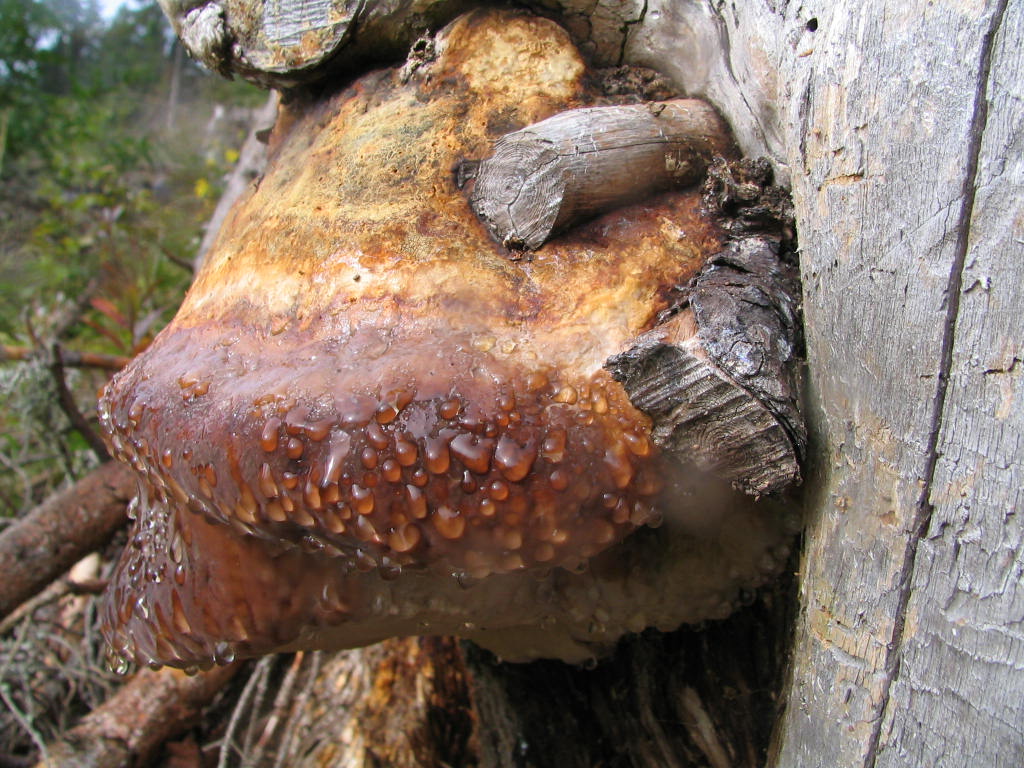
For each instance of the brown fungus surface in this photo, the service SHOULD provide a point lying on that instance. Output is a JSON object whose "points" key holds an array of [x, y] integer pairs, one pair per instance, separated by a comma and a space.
{"points": [[362, 384]]}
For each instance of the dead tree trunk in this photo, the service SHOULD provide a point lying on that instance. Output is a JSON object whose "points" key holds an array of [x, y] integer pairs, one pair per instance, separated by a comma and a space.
{"points": [[907, 178]]}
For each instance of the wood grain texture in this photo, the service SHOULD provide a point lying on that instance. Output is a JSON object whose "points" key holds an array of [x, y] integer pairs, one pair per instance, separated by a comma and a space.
{"points": [[61, 531], [403, 703], [729, 55], [287, 43], [700, 697], [700, 414], [284, 43], [957, 697], [544, 178], [734, 55], [720, 380], [884, 117], [746, 303]]}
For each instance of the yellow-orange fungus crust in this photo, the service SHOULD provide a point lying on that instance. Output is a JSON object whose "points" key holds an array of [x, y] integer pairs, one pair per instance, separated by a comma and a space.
{"points": [[361, 381]]}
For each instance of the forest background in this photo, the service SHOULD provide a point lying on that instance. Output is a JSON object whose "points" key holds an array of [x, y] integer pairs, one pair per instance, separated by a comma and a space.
{"points": [[113, 148]]}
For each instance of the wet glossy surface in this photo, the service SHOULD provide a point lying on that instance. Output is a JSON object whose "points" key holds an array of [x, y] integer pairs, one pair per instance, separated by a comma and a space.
{"points": [[361, 381]]}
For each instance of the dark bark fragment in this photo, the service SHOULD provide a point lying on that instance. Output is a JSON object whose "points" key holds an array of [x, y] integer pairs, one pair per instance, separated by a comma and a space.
{"points": [[747, 307], [701, 414], [61, 531], [742, 196], [722, 378]]}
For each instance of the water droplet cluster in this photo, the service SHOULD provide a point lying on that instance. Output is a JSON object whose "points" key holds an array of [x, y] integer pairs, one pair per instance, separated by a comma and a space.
{"points": [[534, 472], [146, 621], [190, 593]]}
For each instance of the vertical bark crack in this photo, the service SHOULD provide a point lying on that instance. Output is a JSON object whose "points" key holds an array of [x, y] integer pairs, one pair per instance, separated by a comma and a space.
{"points": [[923, 516]]}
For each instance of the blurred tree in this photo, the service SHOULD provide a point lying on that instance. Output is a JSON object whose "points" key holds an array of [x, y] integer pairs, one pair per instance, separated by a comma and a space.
{"points": [[104, 188]]}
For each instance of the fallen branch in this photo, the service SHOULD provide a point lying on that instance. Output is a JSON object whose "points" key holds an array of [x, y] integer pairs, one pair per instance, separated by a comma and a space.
{"points": [[51, 594], [60, 531], [131, 726], [69, 358]]}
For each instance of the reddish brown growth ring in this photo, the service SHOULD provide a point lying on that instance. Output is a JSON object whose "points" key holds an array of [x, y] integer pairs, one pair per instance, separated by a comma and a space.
{"points": [[383, 468]]}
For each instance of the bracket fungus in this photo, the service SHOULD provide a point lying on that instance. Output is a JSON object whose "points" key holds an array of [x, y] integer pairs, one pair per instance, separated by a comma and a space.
{"points": [[366, 420]]}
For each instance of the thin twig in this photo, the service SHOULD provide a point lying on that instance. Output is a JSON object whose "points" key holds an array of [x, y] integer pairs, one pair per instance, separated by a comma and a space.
{"points": [[66, 318], [176, 260], [307, 689], [280, 701], [51, 594], [71, 358], [22, 719], [71, 410], [266, 665], [227, 743]]}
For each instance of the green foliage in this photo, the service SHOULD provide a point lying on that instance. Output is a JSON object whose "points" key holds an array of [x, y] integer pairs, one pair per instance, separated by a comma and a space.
{"points": [[109, 167], [104, 149]]}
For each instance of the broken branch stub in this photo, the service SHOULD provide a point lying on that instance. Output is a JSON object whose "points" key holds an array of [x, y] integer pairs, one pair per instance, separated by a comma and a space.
{"points": [[746, 302], [720, 379], [577, 164]]}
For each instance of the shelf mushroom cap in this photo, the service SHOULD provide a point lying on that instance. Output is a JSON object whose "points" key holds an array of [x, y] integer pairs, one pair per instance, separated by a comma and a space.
{"points": [[362, 384]]}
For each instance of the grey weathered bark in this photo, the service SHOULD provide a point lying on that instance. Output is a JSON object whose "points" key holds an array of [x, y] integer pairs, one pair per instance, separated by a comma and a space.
{"points": [[281, 43], [957, 681], [908, 202]]}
